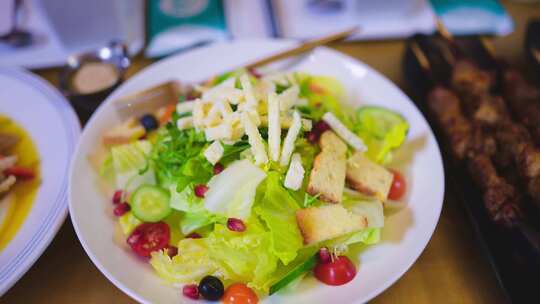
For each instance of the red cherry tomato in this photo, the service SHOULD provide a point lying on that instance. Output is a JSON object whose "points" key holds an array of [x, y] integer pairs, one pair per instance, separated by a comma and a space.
{"points": [[337, 272], [398, 186], [149, 237], [239, 293], [20, 172]]}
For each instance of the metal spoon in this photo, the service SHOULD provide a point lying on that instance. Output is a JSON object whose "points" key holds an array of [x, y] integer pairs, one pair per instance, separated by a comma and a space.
{"points": [[17, 37]]}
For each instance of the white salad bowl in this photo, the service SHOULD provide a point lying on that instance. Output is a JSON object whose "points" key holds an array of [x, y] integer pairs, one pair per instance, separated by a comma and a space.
{"points": [[50, 121], [406, 232]]}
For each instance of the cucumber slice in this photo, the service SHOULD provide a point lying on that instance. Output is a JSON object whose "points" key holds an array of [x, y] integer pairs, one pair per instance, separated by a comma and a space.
{"points": [[378, 121], [150, 203], [295, 273]]}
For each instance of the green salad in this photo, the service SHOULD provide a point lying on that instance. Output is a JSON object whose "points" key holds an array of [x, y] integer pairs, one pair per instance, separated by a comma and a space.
{"points": [[251, 183]]}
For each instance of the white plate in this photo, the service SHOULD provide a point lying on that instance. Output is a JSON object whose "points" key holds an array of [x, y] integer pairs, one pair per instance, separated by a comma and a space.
{"points": [[49, 119], [406, 232]]}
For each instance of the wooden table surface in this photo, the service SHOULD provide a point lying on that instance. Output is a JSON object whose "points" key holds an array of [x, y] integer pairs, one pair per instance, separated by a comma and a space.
{"points": [[450, 270]]}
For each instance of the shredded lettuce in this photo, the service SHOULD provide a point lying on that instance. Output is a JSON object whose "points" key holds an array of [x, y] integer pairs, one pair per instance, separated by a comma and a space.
{"points": [[131, 166], [232, 256], [195, 215], [324, 94], [178, 157], [232, 192], [382, 130], [277, 209], [189, 266], [128, 222]]}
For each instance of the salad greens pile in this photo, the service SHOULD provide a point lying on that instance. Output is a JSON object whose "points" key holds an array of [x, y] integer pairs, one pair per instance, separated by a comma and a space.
{"points": [[270, 253]]}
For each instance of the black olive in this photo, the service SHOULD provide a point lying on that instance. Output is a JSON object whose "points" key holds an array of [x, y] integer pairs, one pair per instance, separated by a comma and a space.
{"points": [[211, 288], [149, 122]]}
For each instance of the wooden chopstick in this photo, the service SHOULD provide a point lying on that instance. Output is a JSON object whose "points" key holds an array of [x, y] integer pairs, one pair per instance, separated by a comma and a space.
{"points": [[302, 48]]}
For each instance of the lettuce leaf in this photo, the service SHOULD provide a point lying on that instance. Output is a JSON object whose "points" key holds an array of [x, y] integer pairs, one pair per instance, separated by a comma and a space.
{"points": [[232, 192], [189, 266], [178, 157], [128, 222], [195, 215], [277, 209], [244, 257], [131, 166]]}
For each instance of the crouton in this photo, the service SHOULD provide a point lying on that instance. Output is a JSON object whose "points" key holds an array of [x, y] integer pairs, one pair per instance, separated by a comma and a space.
{"points": [[332, 143], [367, 177], [327, 177], [318, 224], [128, 131]]}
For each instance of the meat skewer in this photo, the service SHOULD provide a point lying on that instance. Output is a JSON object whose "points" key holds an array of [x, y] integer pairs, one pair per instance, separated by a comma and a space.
{"points": [[516, 150], [469, 143], [500, 198]]}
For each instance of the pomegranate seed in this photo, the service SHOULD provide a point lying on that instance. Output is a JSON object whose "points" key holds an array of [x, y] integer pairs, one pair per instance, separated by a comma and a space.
{"points": [[324, 255], [235, 224], [171, 250], [200, 190], [218, 168], [117, 197], [312, 137], [121, 209], [322, 126], [193, 235], [191, 291]]}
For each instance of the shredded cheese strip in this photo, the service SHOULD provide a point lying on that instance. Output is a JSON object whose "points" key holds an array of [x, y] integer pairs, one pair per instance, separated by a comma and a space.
{"points": [[274, 127], [222, 131], [214, 152], [295, 174], [185, 107], [286, 122], [292, 134], [288, 98], [247, 88], [184, 123], [342, 131], [255, 139]]}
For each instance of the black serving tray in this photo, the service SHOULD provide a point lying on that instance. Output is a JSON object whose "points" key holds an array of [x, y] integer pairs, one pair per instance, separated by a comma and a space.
{"points": [[514, 260]]}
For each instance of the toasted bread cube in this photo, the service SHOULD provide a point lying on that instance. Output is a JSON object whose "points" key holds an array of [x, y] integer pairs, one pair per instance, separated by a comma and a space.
{"points": [[319, 224], [328, 174], [368, 177], [332, 143], [128, 131]]}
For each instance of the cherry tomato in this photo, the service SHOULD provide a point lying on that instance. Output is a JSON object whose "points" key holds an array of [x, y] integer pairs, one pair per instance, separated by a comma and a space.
{"points": [[20, 172], [398, 186], [239, 293], [149, 237], [337, 272]]}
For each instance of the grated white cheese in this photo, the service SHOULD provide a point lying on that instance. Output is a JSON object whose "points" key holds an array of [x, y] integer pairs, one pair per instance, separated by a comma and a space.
{"points": [[222, 131], [295, 174], [288, 98], [185, 123], [341, 130], [292, 134], [307, 124], [274, 127], [213, 117], [247, 88], [255, 139], [185, 107], [214, 152]]}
